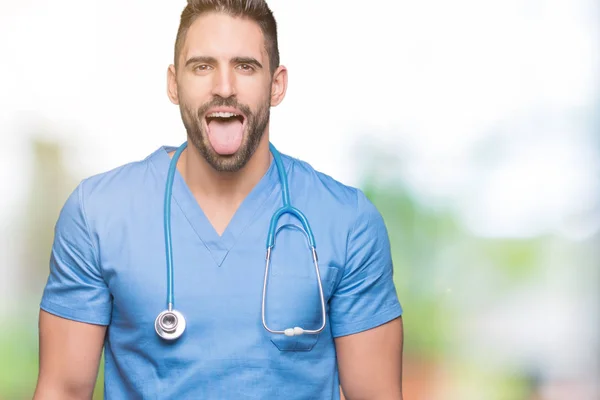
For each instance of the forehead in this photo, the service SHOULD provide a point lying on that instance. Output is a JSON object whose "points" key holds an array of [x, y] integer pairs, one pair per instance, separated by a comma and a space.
{"points": [[222, 36]]}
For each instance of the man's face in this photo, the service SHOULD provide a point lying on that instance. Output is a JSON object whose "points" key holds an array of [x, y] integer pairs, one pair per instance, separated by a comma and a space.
{"points": [[223, 86]]}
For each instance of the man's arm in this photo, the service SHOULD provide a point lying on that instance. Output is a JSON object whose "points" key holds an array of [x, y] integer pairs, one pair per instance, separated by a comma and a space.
{"points": [[70, 354], [76, 308], [370, 363], [365, 313]]}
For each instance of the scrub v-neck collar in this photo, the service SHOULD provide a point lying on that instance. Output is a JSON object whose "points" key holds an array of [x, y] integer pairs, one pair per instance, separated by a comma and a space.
{"points": [[218, 246]]}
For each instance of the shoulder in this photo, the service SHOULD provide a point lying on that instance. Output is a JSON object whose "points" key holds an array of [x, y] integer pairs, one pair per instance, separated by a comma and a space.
{"points": [[107, 193], [124, 178], [344, 201]]}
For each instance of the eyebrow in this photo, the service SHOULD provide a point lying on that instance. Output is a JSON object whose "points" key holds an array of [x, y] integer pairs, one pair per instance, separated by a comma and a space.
{"points": [[201, 59], [235, 60]]}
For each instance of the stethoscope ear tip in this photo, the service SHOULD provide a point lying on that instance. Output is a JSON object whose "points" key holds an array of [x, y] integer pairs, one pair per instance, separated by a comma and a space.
{"points": [[297, 331]]}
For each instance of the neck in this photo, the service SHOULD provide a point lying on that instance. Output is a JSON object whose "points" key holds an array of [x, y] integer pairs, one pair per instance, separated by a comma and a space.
{"points": [[226, 187]]}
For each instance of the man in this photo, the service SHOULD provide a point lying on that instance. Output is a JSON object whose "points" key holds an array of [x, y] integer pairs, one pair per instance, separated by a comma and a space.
{"points": [[108, 278]]}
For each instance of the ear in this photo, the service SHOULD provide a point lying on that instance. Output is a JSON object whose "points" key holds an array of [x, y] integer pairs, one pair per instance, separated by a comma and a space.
{"points": [[279, 85], [172, 85]]}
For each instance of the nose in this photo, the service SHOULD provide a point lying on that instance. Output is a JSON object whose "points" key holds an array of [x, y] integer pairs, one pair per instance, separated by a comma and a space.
{"points": [[224, 84]]}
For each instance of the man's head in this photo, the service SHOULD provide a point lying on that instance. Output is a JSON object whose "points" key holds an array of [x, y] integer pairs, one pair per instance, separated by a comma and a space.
{"points": [[225, 77]]}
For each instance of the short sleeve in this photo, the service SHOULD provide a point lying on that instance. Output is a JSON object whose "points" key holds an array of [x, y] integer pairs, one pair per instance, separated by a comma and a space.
{"points": [[366, 295], [75, 288]]}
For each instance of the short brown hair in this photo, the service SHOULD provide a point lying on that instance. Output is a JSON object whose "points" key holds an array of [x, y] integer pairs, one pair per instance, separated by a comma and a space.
{"points": [[256, 10]]}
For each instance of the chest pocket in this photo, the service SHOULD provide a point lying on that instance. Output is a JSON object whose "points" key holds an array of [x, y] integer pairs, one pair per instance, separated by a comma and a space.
{"points": [[292, 297]]}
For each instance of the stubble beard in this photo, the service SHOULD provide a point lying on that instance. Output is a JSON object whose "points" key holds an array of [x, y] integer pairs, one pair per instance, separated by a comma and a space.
{"points": [[256, 124]]}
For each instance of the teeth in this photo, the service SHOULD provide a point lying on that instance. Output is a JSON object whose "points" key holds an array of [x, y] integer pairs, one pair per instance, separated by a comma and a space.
{"points": [[222, 115]]}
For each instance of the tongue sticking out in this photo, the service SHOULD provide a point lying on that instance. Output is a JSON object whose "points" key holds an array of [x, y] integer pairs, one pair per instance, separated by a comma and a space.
{"points": [[225, 135]]}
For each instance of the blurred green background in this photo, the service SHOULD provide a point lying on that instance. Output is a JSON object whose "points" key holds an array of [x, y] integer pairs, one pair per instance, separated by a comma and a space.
{"points": [[474, 127]]}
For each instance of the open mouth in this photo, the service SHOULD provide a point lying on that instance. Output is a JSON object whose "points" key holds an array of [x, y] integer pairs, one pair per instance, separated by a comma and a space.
{"points": [[225, 131], [224, 117]]}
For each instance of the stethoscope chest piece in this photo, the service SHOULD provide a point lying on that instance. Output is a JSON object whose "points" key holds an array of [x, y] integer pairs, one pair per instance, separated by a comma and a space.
{"points": [[170, 324]]}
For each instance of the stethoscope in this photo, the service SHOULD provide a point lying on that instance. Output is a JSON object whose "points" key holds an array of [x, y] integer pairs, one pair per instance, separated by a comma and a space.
{"points": [[170, 324]]}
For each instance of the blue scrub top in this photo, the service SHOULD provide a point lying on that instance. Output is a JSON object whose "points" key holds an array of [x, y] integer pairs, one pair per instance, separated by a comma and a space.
{"points": [[108, 268]]}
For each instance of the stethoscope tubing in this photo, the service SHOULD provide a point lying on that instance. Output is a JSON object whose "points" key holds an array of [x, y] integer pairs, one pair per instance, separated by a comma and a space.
{"points": [[170, 324], [167, 227]]}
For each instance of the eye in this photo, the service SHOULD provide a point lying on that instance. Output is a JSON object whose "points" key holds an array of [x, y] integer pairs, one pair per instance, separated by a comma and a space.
{"points": [[246, 67], [202, 67]]}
